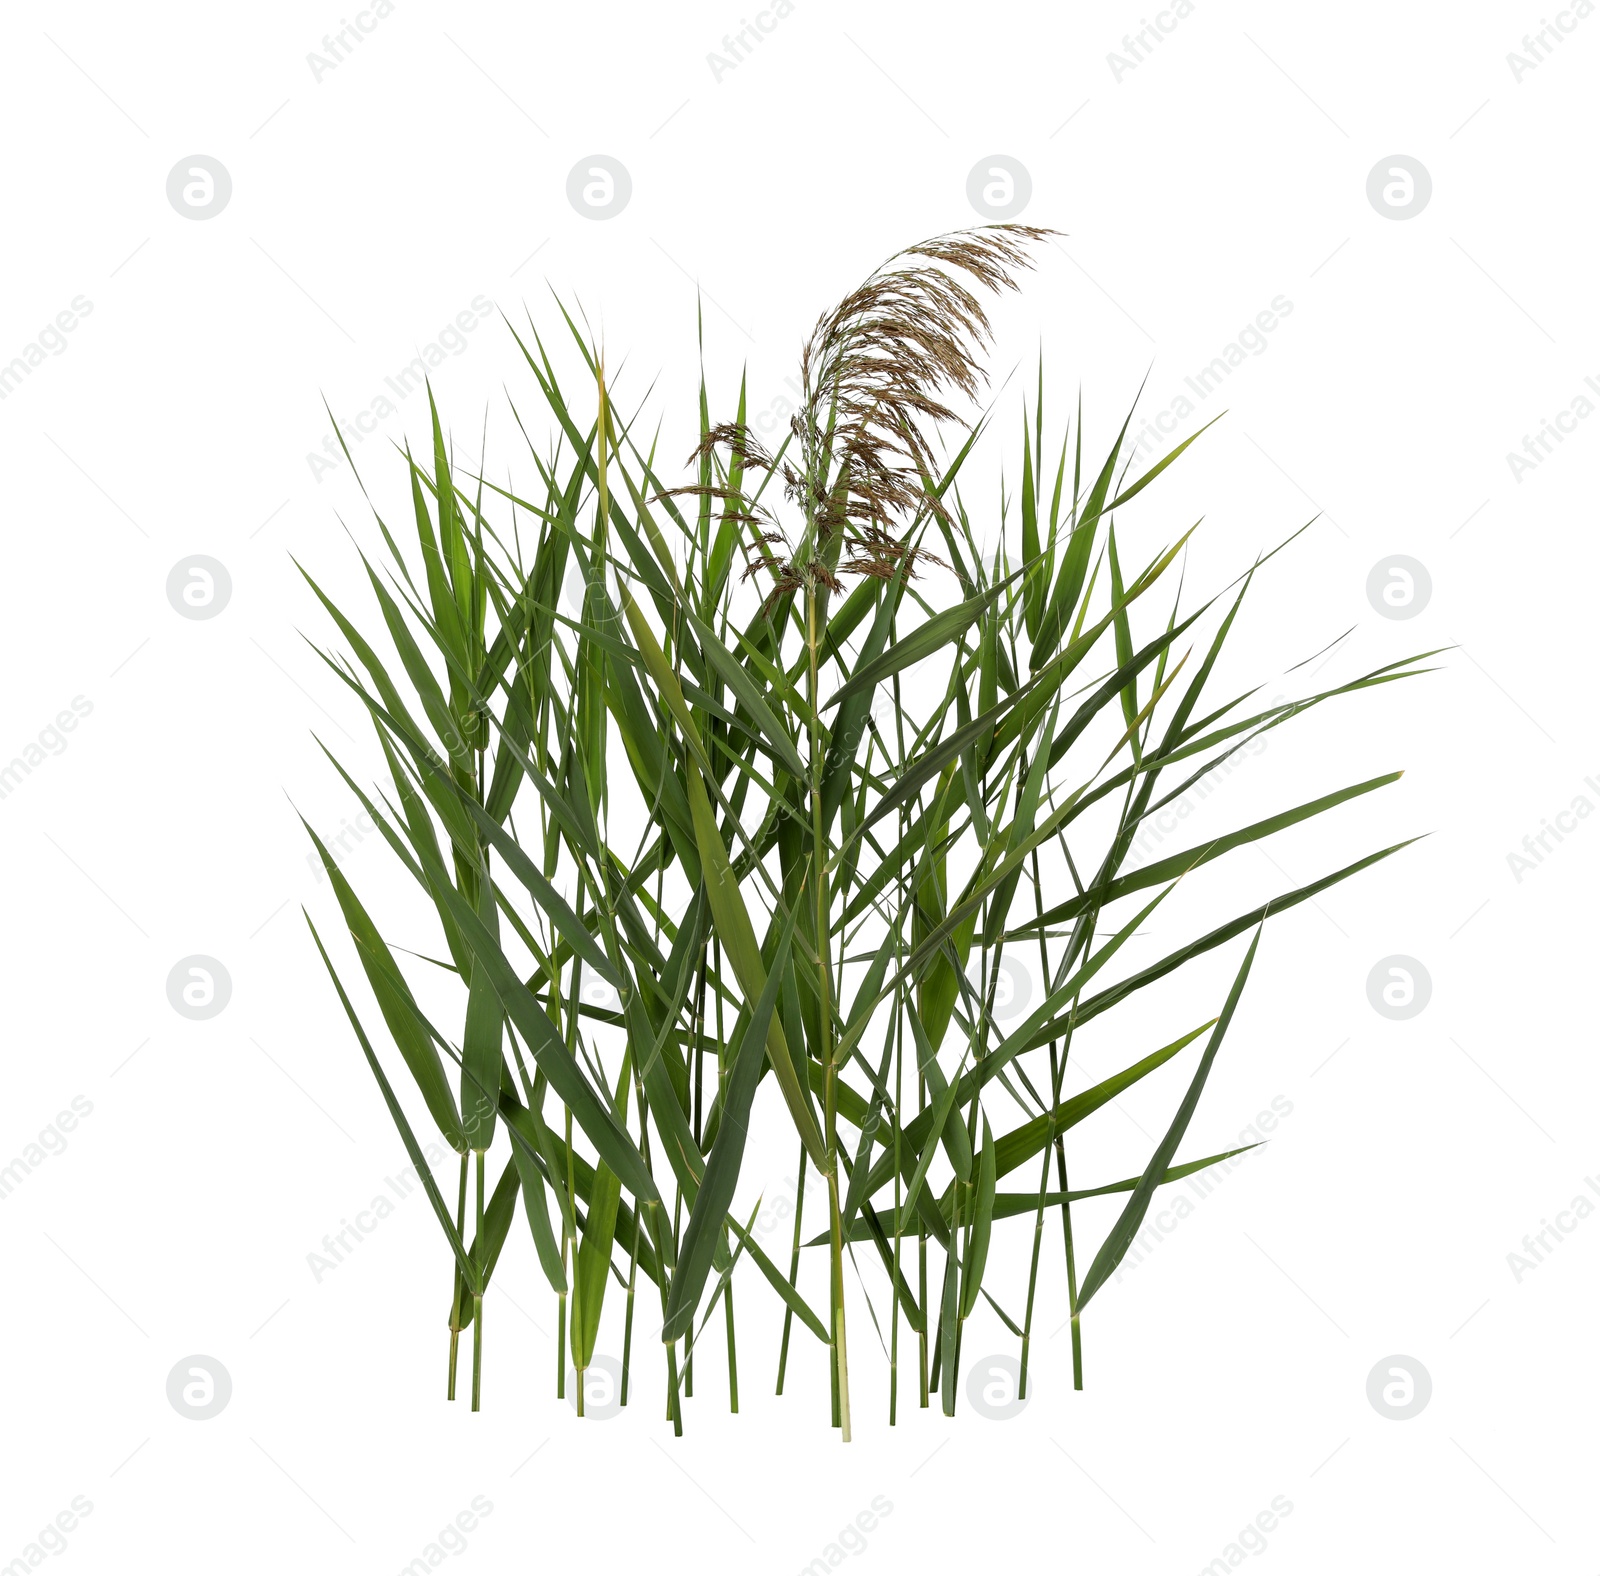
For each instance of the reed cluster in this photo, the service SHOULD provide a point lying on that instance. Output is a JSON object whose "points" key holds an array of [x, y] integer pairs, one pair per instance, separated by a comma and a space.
{"points": [[749, 785]]}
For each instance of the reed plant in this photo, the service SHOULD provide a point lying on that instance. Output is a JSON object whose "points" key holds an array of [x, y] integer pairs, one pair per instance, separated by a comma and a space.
{"points": [[748, 783]]}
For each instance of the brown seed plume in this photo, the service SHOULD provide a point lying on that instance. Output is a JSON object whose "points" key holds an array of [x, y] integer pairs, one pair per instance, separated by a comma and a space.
{"points": [[877, 372]]}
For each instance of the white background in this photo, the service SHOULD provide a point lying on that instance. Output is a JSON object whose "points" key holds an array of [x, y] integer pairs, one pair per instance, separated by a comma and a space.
{"points": [[370, 207]]}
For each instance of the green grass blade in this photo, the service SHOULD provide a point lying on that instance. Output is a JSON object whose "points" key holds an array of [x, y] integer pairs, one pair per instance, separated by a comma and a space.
{"points": [[1133, 1213]]}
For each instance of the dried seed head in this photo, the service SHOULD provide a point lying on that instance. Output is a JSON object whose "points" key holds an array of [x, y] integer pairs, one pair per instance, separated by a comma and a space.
{"points": [[738, 438], [877, 371]]}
